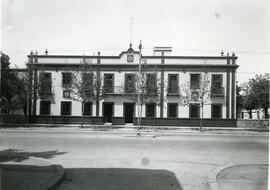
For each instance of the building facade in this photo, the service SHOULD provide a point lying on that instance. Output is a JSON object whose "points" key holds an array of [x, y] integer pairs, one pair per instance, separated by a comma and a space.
{"points": [[118, 76]]}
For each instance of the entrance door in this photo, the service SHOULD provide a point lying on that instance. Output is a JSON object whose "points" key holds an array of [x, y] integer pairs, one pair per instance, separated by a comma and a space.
{"points": [[107, 112], [129, 112]]}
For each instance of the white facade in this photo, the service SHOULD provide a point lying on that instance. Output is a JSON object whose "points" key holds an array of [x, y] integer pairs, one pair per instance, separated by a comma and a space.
{"points": [[119, 66]]}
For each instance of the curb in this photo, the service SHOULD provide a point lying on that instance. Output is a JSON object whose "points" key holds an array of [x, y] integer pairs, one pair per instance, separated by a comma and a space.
{"points": [[55, 180], [212, 179]]}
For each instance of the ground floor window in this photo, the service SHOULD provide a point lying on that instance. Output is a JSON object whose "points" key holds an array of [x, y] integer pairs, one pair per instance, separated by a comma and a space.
{"points": [[65, 108], [45, 107], [194, 111], [87, 109], [172, 110], [217, 111], [150, 110]]}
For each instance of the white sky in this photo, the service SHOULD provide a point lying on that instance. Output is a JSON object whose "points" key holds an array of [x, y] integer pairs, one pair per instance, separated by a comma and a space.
{"points": [[191, 27]]}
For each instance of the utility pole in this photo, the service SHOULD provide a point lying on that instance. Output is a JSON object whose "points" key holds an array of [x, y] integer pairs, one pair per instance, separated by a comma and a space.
{"points": [[139, 92]]}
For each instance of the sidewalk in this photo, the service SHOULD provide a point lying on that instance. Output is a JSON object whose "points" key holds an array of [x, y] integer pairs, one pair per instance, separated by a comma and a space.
{"points": [[30, 174], [247, 177], [131, 129]]}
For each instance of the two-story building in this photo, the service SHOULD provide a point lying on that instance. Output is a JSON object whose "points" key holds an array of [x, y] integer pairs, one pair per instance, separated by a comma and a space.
{"points": [[165, 105]]}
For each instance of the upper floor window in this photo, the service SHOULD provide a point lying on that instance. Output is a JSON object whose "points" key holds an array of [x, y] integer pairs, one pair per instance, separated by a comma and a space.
{"points": [[216, 87], [66, 79], [130, 83], [108, 83], [195, 81], [87, 82], [151, 83], [173, 83], [45, 80]]}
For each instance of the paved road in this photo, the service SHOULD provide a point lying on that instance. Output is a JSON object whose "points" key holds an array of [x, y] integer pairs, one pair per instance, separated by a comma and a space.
{"points": [[190, 157]]}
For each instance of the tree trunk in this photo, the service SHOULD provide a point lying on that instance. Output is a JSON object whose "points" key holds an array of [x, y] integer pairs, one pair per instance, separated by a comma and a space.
{"points": [[82, 115], [201, 120]]}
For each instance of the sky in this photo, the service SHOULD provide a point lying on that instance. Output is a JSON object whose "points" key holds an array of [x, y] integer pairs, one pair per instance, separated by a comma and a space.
{"points": [[190, 27]]}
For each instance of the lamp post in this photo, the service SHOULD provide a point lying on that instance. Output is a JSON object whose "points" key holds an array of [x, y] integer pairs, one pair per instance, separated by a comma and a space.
{"points": [[139, 92]]}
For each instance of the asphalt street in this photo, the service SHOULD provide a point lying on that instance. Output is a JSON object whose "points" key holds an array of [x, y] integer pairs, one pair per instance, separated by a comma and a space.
{"points": [[189, 157]]}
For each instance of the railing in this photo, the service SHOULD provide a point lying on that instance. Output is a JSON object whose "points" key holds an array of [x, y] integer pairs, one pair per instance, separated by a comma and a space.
{"points": [[118, 90], [124, 90], [45, 92], [252, 123], [174, 91], [217, 92]]}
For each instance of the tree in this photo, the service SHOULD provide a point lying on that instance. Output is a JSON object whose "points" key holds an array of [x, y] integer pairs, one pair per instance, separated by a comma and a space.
{"points": [[239, 100], [143, 87], [259, 90], [85, 86], [197, 93], [248, 99], [13, 90]]}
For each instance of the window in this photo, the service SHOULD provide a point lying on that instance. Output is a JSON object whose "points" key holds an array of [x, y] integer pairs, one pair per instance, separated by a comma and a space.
{"points": [[195, 81], [194, 111], [172, 110], [87, 82], [173, 83], [150, 110], [45, 107], [66, 79], [216, 87], [217, 111], [151, 84], [130, 83], [108, 83], [45, 80], [65, 108], [87, 109]]}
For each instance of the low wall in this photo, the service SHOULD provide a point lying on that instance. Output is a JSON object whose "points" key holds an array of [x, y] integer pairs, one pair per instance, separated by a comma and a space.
{"points": [[186, 122], [252, 123], [118, 121], [67, 120]]}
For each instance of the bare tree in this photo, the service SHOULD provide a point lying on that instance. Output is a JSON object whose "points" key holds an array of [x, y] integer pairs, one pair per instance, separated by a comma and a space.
{"points": [[146, 84], [85, 86], [197, 93]]}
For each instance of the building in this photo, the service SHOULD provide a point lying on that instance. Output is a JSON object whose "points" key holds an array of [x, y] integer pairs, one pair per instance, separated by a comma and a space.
{"points": [[167, 105]]}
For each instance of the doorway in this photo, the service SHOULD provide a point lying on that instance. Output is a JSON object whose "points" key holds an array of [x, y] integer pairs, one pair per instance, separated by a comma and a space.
{"points": [[108, 111], [129, 109]]}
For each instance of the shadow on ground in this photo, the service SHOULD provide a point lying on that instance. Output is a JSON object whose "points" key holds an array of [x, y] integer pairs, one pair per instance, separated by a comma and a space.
{"points": [[21, 155], [118, 179]]}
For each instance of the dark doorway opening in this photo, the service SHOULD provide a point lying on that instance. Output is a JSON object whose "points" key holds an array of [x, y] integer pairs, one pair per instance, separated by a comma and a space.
{"points": [[129, 109], [108, 112]]}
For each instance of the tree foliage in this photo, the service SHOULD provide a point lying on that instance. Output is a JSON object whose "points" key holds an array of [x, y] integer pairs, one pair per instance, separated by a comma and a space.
{"points": [[13, 89], [255, 93], [85, 85]]}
